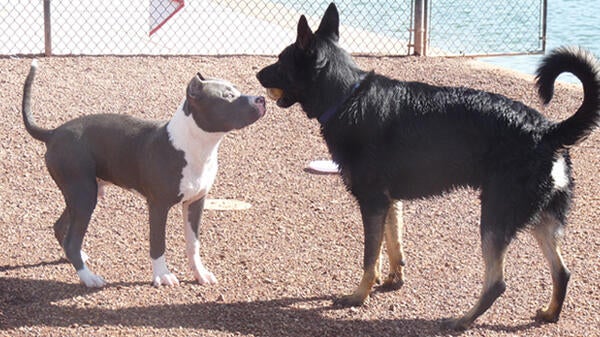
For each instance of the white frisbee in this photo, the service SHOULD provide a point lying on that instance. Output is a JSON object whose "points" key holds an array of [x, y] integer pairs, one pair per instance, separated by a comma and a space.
{"points": [[324, 166], [226, 205]]}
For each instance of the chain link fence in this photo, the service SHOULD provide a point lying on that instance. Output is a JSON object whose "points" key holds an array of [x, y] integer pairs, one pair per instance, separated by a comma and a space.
{"points": [[262, 27], [486, 27]]}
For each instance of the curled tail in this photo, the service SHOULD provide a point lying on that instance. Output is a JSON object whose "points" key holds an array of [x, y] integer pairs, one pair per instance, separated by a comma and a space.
{"points": [[34, 130], [586, 68]]}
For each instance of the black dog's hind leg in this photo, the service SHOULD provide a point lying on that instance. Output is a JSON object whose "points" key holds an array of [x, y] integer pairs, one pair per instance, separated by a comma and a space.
{"points": [[394, 225], [494, 250], [494, 242], [373, 212], [547, 233]]}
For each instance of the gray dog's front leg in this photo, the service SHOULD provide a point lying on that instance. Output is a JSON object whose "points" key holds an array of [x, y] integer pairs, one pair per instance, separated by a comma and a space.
{"points": [[192, 214], [160, 272]]}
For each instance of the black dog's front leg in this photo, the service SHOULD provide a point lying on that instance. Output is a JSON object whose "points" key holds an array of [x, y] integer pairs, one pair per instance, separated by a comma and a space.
{"points": [[373, 212]]}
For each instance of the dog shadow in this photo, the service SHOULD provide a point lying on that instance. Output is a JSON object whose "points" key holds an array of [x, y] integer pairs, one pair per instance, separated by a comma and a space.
{"points": [[31, 303]]}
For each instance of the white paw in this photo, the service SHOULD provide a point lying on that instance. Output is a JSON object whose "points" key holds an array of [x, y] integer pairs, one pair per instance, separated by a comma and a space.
{"points": [[161, 274], [201, 274], [204, 276], [165, 280], [90, 279]]}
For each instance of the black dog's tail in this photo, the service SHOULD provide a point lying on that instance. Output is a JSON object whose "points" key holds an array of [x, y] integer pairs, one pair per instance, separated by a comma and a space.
{"points": [[586, 68], [34, 130]]}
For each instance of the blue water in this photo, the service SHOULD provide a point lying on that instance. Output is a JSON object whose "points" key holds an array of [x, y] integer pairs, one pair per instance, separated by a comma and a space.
{"points": [[569, 22], [468, 27]]}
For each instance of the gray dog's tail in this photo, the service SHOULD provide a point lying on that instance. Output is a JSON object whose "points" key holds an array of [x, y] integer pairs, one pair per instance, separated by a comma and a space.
{"points": [[586, 68], [34, 130]]}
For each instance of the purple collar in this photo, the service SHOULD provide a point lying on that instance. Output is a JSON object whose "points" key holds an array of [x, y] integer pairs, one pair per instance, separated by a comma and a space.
{"points": [[326, 116]]}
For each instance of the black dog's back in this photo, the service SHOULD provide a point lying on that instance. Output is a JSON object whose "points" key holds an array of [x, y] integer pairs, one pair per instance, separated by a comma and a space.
{"points": [[421, 140]]}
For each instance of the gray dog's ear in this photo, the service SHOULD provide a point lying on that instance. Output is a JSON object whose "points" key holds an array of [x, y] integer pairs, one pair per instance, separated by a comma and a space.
{"points": [[193, 94], [305, 34], [329, 26], [194, 89], [200, 76]]}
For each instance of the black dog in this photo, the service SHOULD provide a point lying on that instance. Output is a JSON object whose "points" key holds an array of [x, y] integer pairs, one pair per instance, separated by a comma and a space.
{"points": [[398, 140]]}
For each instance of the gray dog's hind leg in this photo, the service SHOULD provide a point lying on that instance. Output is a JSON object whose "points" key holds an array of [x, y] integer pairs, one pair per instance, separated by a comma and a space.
{"points": [[81, 197]]}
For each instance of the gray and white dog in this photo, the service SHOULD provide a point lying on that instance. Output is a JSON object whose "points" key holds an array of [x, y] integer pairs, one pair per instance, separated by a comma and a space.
{"points": [[166, 162]]}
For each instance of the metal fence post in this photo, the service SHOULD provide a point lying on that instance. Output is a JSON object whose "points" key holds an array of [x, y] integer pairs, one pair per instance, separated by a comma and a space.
{"points": [[544, 24], [47, 29], [419, 20]]}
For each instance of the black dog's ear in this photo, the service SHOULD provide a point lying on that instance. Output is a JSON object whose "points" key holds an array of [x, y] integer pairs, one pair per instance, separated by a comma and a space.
{"points": [[305, 34], [329, 27]]}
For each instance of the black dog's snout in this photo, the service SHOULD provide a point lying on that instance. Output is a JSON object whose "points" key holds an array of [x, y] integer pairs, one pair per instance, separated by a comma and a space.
{"points": [[260, 100], [259, 75]]}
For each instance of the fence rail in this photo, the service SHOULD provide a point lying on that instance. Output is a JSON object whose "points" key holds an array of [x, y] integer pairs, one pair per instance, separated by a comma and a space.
{"points": [[264, 27]]}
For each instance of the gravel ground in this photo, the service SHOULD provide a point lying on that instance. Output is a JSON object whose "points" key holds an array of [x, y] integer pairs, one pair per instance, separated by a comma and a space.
{"points": [[280, 262]]}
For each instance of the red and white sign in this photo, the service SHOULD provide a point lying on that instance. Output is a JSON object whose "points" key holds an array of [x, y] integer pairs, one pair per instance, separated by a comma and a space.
{"points": [[161, 11]]}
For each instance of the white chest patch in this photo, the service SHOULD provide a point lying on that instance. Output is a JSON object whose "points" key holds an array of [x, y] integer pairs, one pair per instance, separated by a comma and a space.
{"points": [[200, 151], [559, 174]]}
